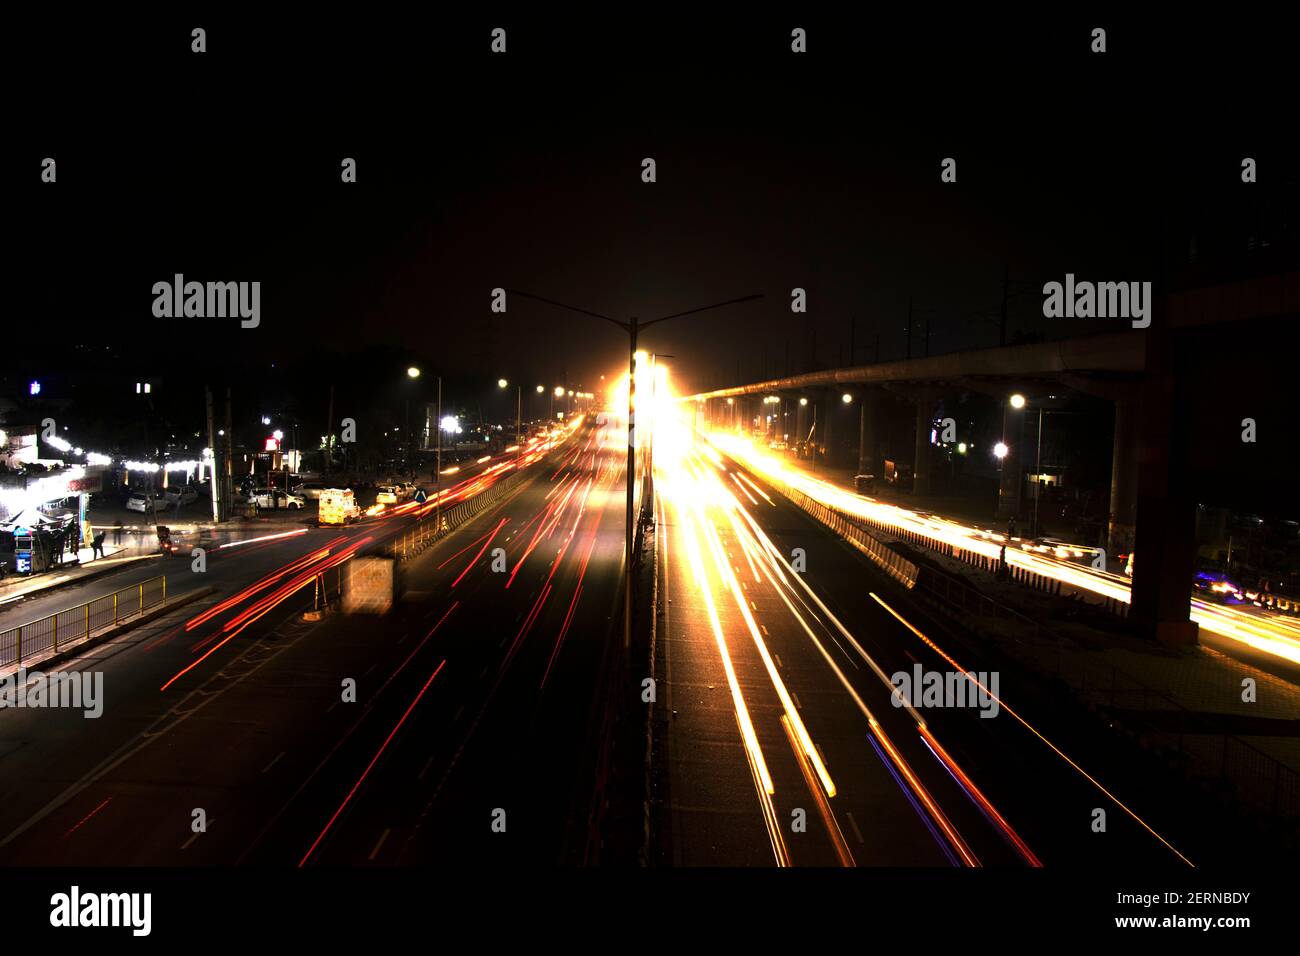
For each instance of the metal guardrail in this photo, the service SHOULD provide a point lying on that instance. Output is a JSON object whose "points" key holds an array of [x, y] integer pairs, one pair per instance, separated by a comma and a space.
{"points": [[428, 529], [1198, 747], [892, 563], [419, 536], [69, 625], [1201, 749]]}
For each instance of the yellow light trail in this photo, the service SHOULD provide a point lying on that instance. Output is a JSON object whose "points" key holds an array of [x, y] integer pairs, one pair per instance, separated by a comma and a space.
{"points": [[1260, 632]]}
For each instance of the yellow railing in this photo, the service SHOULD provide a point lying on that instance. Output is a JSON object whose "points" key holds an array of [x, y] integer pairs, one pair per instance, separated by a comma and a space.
{"points": [[65, 627]]}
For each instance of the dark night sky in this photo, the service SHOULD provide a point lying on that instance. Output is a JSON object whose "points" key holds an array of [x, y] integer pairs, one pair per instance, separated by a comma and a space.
{"points": [[773, 172]]}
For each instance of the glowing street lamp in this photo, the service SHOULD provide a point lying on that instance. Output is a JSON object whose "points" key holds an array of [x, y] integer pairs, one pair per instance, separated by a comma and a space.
{"points": [[846, 398], [519, 407], [413, 372], [1017, 401], [1000, 450], [633, 326]]}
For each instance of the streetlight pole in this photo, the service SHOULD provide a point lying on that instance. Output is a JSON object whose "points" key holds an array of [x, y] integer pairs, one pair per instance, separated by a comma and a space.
{"points": [[1038, 469], [519, 405], [632, 327], [437, 468], [630, 538]]}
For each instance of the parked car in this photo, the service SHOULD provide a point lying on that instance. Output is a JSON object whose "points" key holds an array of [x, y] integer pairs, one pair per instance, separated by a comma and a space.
{"points": [[275, 498], [144, 502], [184, 495], [310, 490]]}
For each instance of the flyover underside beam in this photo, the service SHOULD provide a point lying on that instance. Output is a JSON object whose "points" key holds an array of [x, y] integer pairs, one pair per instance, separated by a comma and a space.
{"points": [[1114, 352]]}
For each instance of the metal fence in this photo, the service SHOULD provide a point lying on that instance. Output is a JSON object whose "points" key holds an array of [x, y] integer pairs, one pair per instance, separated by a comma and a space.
{"points": [[1196, 745], [892, 563], [18, 644], [430, 528]]}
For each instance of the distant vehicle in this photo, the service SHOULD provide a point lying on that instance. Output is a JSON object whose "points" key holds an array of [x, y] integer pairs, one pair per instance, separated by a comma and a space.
{"points": [[338, 506], [168, 542], [389, 495], [143, 502], [275, 498], [1217, 588], [310, 490], [1064, 551], [183, 495]]}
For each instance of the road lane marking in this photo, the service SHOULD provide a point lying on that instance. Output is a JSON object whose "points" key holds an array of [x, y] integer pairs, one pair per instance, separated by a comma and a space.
{"points": [[186, 844], [273, 762], [382, 837], [854, 824]]}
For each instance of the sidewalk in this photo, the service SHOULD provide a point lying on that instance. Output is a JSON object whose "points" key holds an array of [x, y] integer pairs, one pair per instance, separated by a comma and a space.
{"points": [[139, 542], [16, 587]]}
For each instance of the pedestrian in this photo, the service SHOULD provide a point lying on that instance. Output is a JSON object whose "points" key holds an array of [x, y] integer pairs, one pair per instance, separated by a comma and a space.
{"points": [[117, 534], [1011, 527], [97, 542], [1002, 562]]}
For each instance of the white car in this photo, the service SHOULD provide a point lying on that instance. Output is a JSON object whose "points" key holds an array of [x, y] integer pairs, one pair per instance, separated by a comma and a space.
{"points": [[389, 494], [310, 491], [274, 497], [143, 502], [183, 495]]}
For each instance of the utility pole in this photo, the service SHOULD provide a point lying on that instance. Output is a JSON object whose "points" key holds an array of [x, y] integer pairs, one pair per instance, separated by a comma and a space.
{"points": [[437, 468], [632, 326], [212, 446], [1038, 470], [1006, 291], [909, 326], [227, 489], [519, 404], [329, 434], [630, 541]]}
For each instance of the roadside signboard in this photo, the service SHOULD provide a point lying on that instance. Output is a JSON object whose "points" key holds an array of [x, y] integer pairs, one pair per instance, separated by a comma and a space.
{"points": [[368, 585]]}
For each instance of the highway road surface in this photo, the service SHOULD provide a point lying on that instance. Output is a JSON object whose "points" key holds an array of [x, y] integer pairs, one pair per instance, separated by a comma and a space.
{"points": [[228, 736]]}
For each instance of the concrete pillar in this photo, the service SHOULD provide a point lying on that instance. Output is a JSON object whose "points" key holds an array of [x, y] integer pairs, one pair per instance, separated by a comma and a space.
{"points": [[825, 421], [921, 454], [1165, 545], [1012, 482], [868, 429], [1122, 518]]}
